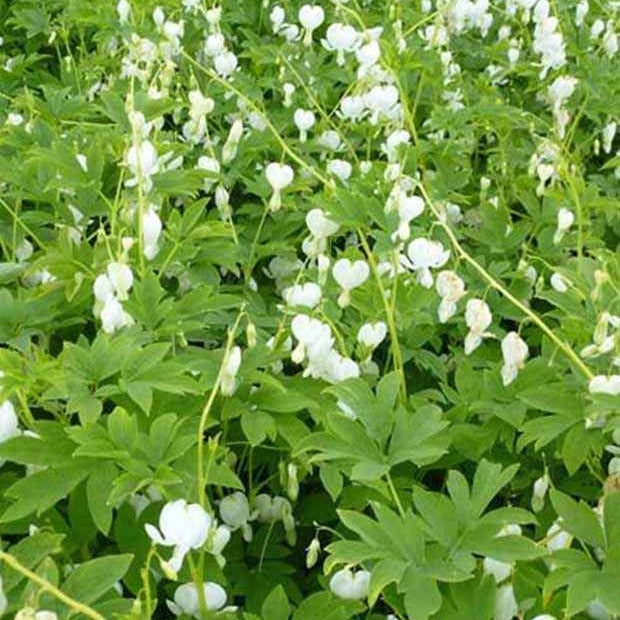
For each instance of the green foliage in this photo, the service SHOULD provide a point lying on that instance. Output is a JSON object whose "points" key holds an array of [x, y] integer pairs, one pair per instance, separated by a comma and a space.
{"points": [[173, 325]]}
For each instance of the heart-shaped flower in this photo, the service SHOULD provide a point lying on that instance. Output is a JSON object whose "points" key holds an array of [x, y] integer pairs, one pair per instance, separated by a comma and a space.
{"points": [[423, 255], [182, 526], [311, 16], [514, 352], [349, 275], [350, 585], [307, 295], [279, 176], [319, 225]]}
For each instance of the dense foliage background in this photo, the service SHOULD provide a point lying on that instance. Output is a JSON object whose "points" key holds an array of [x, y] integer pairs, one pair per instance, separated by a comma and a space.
{"points": [[315, 304]]}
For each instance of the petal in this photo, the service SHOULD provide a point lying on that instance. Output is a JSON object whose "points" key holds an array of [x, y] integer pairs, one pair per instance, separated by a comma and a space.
{"points": [[154, 534]]}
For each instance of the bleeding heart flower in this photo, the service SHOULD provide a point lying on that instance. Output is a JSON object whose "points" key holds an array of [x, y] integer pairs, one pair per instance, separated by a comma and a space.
{"points": [[311, 16], [424, 255], [515, 352], [349, 275], [182, 526], [350, 585], [279, 176]]}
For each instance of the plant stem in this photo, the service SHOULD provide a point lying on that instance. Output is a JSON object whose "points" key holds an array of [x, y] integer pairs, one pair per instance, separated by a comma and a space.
{"points": [[76, 606], [200, 466]]}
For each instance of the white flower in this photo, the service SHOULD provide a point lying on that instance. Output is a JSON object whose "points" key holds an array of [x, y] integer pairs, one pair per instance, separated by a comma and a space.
{"points": [[121, 279], [350, 585], [450, 288], [330, 139], [368, 54], [235, 513], [557, 537], [597, 611], [307, 295], [478, 318], [229, 150], [123, 9], [279, 176], [341, 38], [151, 230], [408, 207], [232, 363], [382, 101], [558, 283], [304, 120], [186, 599], [541, 485], [372, 335], [565, 220], [561, 89], [215, 44], [424, 255], [9, 423], [182, 526], [609, 132], [514, 352], [210, 164], [315, 338], [349, 275], [352, 108], [143, 162], [394, 141], [506, 607], [544, 617], [113, 316], [14, 119], [581, 11], [277, 17], [269, 509], [225, 63], [499, 570], [319, 225], [289, 90], [602, 384], [340, 168], [311, 16]]}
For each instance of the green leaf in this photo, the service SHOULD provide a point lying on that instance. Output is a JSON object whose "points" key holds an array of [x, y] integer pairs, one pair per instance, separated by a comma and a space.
{"points": [[43, 489], [92, 579], [422, 596], [276, 605], [325, 606], [98, 487], [578, 519]]}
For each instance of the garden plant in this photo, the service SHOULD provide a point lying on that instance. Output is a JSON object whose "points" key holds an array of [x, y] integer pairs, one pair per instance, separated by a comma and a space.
{"points": [[309, 311]]}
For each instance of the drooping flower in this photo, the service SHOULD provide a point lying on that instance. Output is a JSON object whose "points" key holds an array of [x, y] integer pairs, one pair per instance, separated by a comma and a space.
{"points": [[143, 162], [311, 16], [602, 384], [478, 318], [350, 585], [279, 177], [372, 335], [349, 275], [450, 288], [186, 600], [565, 220], [304, 120], [182, 526], [341, 38], [151, 230], [424, 255], [232, 363], [235, 513], [514, 352], [307, 295]]}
